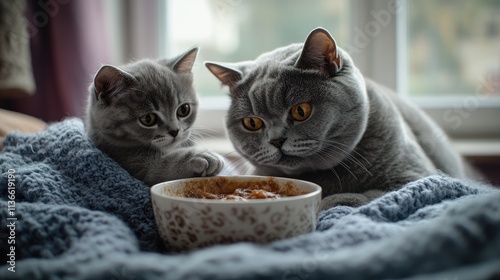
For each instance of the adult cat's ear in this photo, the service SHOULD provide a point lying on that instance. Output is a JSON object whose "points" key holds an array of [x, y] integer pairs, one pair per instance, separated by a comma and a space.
{"points": [[226, 75], [320, 53], [108, 81], [184, 64]]}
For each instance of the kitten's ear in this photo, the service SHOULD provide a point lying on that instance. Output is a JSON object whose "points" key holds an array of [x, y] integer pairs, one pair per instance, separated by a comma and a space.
{"points": [[226, 75], [320, 53], [185, 63], [108, 81]]}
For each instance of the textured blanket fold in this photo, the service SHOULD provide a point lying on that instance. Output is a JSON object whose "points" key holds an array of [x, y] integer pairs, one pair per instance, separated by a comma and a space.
{"points": [[78, 215]]}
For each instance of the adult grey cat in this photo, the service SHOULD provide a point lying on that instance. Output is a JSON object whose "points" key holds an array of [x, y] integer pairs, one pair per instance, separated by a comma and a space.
{"points": [[306, 111], [141, 115]]}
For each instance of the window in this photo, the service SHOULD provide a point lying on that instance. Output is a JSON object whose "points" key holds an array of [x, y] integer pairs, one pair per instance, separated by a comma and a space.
{"points": [[449, 63], [453, 47], [441, 54], [236, 30]]}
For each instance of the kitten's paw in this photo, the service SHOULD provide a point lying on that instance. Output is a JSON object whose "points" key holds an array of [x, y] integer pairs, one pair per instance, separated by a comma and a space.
{"points": [[207, 164]]}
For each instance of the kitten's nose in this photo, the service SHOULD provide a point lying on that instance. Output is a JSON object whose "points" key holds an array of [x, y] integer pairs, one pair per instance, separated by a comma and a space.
{"points": [[173, 132], [278, 142]]}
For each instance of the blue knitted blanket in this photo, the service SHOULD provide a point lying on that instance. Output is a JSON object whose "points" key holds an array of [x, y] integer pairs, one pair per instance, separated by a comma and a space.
{"points": [[70, 212]]}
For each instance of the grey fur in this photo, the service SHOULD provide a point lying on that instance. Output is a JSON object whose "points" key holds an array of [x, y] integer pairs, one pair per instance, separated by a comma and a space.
{"points": [[119, 96], [360, 140]]}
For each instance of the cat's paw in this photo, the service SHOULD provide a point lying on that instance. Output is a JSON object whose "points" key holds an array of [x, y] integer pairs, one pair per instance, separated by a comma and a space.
{"points": [[349, 199], [345, 199], [206, 164]]}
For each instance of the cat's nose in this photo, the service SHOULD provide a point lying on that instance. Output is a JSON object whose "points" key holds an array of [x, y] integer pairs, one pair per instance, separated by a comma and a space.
{"points": [[173, 132], [278, 142]]}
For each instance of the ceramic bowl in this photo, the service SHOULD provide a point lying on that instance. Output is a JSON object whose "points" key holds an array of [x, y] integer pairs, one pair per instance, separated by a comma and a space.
{"points": [[187, 223]]}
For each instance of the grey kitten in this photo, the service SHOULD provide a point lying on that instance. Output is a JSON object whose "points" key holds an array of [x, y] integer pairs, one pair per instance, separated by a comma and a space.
{"points": [[305, 111], [141, 115]]}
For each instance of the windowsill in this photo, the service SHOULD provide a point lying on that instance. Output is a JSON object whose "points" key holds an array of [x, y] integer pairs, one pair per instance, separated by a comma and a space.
{"points": [[478, 147]]}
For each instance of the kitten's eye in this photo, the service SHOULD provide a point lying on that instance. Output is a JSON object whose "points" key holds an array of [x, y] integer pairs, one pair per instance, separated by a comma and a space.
{"points": [[301, 112], [149, 119], [183, 110], [252, 124]]}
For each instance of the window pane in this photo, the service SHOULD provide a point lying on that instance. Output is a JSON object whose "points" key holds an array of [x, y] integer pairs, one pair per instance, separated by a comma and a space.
{"points": [[236, 30], [454, 48]]}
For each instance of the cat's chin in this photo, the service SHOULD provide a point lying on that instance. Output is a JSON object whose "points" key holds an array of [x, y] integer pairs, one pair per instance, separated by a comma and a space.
{"points": [[290, 165], [293, 170]]}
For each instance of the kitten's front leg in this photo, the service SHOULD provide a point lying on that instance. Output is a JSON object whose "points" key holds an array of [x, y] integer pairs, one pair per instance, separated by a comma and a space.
{"points": [[184, 163]]}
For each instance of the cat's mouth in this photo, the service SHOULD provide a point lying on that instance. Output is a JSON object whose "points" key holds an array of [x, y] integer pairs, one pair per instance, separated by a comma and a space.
{"points": [[289, 160], [287, 163], [297, 153]]}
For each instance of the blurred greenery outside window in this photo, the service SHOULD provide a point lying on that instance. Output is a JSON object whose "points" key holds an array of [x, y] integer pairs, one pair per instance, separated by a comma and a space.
{"points": [[236, 30], [454, 47], [446, 52]]}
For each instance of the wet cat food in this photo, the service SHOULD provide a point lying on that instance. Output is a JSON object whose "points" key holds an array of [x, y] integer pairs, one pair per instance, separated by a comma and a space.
{"points": [[226, 189]]}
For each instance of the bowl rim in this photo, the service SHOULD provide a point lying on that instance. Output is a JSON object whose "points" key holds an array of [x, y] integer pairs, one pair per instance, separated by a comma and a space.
{"points": [[155, 191]]}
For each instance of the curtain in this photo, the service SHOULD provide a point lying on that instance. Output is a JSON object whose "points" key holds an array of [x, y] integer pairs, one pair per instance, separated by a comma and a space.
{"points": [[69, 42], [16, 75]]}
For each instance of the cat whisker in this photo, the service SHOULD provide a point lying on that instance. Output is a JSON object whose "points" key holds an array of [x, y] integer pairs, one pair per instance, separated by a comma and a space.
{"points": [[341, 163], [232, 154], [199, 133], [330, 168], [240, 164], [352, 151], [242, 168], [203, 131], [354, 160], [332, 149], [350, 159], [193, 139], [349, 156]]}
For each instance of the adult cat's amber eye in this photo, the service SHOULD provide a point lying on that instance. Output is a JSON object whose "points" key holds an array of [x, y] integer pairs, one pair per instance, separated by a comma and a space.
{"points": [[149, 119], [183, 110], [252, 123], [301, 112]]}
